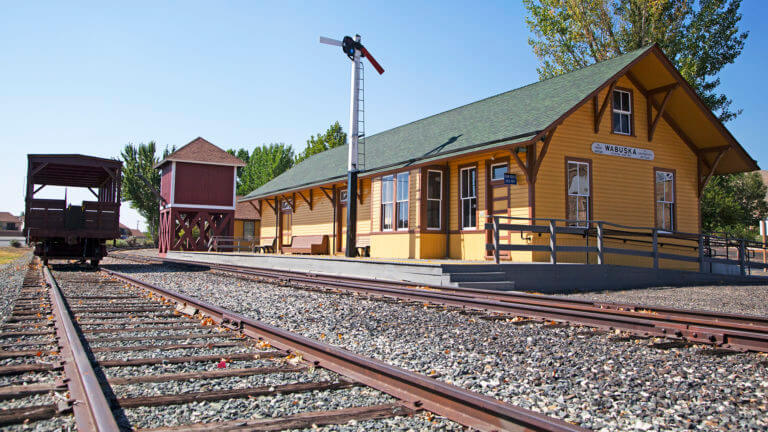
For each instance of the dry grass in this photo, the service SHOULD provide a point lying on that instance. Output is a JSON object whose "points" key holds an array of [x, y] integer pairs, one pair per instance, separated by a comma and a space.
{"points": [[8, 254]]}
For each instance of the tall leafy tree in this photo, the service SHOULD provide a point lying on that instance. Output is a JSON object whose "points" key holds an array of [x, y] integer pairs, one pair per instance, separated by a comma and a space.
{"points": [[700, 37], [138, 160], [243, 155], [734, 204], [334, 136], [265, 163]]}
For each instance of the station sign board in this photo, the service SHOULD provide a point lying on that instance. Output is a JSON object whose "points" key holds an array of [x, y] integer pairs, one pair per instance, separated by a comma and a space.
{"points": [[622, 151], [510, 178]]}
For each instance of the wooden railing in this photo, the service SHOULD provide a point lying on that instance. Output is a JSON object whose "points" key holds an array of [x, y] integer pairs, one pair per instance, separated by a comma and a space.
{"points": [[603, 238], [221, 243]]}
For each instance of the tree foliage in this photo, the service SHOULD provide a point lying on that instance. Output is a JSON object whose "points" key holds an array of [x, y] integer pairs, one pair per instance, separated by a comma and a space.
{"points": [[334, 136], [139, 160], [734, 204], [699, 37], [262, 165]]}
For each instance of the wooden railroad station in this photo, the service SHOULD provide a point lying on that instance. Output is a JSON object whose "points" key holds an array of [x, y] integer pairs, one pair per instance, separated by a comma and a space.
{"points": [[625, 141]]}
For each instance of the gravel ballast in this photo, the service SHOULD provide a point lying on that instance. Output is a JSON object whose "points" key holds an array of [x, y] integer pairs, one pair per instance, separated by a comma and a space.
{"points": [[750, 300], [599, 380], [11, 277]]}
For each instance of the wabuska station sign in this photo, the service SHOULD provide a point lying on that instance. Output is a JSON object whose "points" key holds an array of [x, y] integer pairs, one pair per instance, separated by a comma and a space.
{"points": [[622, 151]]}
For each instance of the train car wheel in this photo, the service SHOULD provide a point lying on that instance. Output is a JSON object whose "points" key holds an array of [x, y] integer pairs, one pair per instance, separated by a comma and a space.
{"points": [[94, 263]]}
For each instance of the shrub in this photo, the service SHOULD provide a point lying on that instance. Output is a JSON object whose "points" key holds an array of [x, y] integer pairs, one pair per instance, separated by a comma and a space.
{"points": [[16, 243]]}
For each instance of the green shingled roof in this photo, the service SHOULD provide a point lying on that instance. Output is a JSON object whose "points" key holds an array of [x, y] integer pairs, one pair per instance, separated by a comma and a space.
{"points": [[507, 118]]}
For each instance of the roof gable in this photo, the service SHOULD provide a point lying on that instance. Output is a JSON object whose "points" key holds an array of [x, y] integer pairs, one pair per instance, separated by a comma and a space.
{"points": [[202, 151]]}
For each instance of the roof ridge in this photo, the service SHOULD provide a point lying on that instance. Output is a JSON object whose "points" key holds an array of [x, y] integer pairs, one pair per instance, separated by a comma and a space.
{"points": [[633, 52]]}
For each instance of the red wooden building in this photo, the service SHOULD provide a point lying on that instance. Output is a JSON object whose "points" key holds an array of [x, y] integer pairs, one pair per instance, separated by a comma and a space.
{"points": [[197, 184]]}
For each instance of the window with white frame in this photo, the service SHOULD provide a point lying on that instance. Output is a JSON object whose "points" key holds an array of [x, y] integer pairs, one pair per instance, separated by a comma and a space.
{"points": [[498, 171], [665, 200], [434, 199], [468, 179], [387, 199], [578, 178], [401, 190], [622, 112]]}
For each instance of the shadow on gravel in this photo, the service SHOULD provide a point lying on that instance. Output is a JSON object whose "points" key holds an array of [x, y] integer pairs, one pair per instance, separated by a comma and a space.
{"points": [[627, 338], [718, 352], [672, 345], [153, 268]]}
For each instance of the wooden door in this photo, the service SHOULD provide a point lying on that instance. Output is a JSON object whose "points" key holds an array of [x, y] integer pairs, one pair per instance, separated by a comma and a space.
{"points": [[285, 228], [497, 199], [342, 228]]}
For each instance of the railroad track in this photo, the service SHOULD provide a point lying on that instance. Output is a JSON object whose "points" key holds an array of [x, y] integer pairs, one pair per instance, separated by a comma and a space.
{"points": [[730, 331], [130, 352]]}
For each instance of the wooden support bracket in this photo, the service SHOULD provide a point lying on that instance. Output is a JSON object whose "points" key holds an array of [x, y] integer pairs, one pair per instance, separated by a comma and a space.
{"points": [[547, 139], [258, 209], [274, 207], [332, 196], [308, 201], [599, 112], [703, 182], [654, 121]]}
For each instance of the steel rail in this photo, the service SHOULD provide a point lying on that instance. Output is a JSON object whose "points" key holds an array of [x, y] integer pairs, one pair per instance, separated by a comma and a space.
{"points": [[457, 404], [91, 408], [740, 332]]}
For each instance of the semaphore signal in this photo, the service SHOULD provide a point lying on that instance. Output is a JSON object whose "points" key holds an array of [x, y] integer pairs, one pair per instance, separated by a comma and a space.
{"points": [[355, 51]]}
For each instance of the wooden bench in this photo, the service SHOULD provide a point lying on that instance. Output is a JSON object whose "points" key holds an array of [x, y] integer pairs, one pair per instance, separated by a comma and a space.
{"points": [[266, 247], [363, 246], [313, 244], [224, 243]]}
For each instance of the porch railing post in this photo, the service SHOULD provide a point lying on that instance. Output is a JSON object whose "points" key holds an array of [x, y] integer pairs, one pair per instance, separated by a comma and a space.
{"points": [[702, 267], [552, 242], [742, 258], [496, 254], [655, 249], [600, 257]]}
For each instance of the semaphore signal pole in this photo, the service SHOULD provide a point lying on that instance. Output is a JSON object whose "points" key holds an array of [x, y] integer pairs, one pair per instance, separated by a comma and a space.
{"points": [[355, 51]]}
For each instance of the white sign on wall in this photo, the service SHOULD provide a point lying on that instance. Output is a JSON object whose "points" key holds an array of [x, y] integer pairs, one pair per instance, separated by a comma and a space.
{"points": [[622, 151]]}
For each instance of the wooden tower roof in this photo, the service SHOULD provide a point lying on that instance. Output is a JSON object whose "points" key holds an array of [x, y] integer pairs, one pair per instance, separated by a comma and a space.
{"points": [[202, 151]]}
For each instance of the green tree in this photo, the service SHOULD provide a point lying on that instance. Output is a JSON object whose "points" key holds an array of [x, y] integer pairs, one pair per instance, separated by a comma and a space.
{"points": [[138, 160], [699, 37], [734, 204], [243, 155], [265, 163], [334, 136]]}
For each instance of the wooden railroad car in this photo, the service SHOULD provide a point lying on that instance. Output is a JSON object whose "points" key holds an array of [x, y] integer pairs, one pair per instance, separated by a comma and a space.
{"points": [[59, 229]]}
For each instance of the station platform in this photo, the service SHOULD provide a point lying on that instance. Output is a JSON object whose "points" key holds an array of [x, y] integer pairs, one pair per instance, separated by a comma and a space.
{"points": [[531, 277]]}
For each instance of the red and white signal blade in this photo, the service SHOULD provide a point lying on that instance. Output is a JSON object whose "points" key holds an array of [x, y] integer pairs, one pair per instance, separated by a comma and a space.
{"points": [[373, 61], [329, 41]]}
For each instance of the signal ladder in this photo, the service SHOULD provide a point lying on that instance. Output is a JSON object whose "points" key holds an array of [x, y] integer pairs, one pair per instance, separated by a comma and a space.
{"points": [[361, 120]]}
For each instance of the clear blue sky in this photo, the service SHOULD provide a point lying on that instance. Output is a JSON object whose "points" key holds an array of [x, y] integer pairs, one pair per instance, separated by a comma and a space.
{"points": [[91, 77]]}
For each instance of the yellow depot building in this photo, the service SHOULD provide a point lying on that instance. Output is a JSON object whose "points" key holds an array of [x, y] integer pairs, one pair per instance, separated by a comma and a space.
{"points": [[625, 141]]}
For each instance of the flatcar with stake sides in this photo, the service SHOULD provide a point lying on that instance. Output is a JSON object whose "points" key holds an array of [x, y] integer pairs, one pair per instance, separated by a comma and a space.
{"points": [[62, 230]]}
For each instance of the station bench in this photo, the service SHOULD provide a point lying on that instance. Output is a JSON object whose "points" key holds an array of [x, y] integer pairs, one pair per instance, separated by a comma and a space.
{"points": [[224, 243], [363, 246], [312, 244], [266, 247]]}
